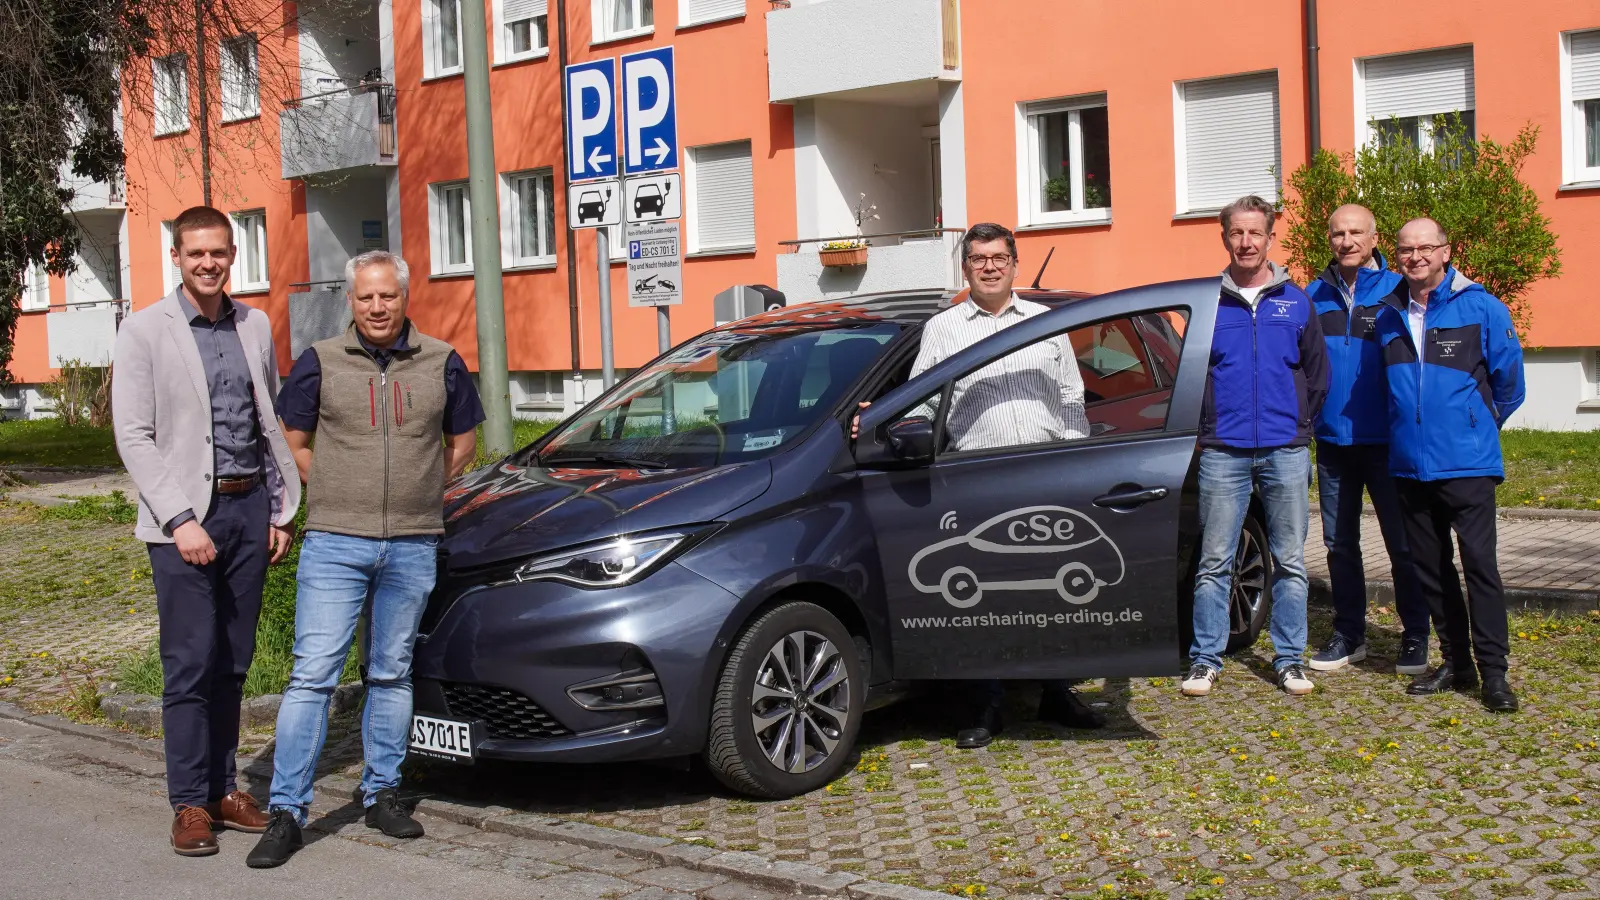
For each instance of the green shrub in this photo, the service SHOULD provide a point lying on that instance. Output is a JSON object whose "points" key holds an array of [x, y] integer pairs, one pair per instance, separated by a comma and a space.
{"points": [[113, 508]]}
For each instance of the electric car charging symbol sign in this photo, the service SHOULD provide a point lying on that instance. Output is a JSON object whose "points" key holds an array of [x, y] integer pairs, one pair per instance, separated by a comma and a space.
{"points": [[1064, 545]]}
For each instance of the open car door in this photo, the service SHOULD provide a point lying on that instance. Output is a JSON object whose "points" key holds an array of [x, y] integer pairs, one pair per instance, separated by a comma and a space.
{"points": [[1044, 560]]}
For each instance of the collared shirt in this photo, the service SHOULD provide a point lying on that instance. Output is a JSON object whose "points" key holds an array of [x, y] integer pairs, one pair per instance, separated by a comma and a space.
{"points": [[300, 400], [235, 427], [1034, 395], [1417, 315]]}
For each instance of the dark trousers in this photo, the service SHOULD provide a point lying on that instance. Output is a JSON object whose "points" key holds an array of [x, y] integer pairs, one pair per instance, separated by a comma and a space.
{"points": [[1474, 625], [1342, 473], [988, 692], [208, 636]]}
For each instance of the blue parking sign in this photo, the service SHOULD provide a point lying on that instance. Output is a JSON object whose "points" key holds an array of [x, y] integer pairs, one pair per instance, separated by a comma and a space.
{"points": [[591, 120], [649, 111]]}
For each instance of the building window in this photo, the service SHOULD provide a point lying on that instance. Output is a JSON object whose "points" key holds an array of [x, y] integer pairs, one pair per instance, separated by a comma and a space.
{"points": [[241, 79], [521, 29], [171, 89], [1410, 97], [1581, 122], [528, 219], [250, 261], [623, 18], [451, 232], [1227, 140], [171, 275], [1067, 162], [723, 187], [35, 288], [441, 38], [541, 390], [697, 12]]}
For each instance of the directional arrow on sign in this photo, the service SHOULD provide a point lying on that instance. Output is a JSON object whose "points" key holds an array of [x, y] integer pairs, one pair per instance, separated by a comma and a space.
{"points": [[659, 152], [598, 158]]}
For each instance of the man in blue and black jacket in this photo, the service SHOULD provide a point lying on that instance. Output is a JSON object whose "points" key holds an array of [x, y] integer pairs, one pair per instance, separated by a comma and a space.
{"points": [[1353, 446], [1454, 367], [1268, 377]]}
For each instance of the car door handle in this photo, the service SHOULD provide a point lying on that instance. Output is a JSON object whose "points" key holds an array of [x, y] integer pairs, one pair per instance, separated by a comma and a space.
{"points": [[1138, 496]]}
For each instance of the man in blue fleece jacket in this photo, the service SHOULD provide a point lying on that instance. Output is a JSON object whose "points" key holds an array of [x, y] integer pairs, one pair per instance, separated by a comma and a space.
{"points": [[1454, 367], [1353, 446], [1268, 377]]}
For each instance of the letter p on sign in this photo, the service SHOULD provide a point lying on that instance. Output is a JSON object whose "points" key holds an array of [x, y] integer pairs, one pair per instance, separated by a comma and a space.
{"points": [[649, 112]]}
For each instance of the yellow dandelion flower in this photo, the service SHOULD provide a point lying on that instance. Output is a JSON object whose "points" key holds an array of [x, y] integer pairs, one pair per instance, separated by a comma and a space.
{"points": [[1217, 880], [1274, 734]]}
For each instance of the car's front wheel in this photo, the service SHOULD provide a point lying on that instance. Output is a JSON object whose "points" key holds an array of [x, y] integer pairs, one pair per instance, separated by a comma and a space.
{"points": [[788, 705]]}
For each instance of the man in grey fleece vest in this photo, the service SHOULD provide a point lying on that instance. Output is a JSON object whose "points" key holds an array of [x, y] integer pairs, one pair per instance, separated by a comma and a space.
{"points": [[393, 412]]}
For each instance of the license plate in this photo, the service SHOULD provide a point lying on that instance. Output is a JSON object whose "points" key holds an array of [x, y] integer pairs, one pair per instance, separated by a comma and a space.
{"points": [[455, 740]]}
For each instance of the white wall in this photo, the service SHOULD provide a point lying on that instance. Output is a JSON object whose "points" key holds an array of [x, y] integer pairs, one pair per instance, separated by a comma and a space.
{"points": [[909, 266], [333, 221], [820, 48], [339, 41], [844, 149], [101, 264], [1558, 382]]}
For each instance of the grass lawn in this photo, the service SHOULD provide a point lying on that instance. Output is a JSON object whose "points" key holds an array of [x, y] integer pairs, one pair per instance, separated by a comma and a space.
{"points": [[1551, 469], [47, 442]]}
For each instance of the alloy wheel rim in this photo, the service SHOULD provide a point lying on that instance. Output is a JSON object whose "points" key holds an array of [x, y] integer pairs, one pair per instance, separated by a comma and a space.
{"points": [[801, 702], [1249, 582]]}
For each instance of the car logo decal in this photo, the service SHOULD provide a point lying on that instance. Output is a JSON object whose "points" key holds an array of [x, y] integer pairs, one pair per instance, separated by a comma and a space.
{"points": [[1075, 539]]}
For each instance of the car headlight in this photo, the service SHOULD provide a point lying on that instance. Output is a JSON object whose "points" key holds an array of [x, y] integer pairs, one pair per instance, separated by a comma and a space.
{"points": [[623, 560]]}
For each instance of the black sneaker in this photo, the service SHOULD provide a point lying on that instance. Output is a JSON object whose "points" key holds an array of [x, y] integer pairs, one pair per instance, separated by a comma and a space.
{"points": [[278, 843], [1338, 653], [1413, 658], [389, 815]]}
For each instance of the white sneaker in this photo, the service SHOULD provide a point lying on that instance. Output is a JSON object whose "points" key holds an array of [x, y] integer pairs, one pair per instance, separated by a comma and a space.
{"points": [[1201, 678], [1293, 680]]}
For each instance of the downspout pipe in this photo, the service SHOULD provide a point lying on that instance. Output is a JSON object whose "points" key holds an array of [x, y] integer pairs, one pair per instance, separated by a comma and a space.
{"points": [[1313, 81], [572, 247]]}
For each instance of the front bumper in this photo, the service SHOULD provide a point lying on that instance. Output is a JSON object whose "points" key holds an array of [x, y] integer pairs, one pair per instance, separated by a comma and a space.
{"points": [[527, 659]]}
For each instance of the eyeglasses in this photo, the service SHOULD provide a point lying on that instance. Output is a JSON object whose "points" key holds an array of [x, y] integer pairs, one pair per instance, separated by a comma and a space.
{"points": [[1419, 250], [998, 261]]}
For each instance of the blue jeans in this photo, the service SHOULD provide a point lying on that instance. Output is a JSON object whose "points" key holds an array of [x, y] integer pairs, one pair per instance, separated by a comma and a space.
{"points": [[339, 574], [1227, 478], [1341, 474]]}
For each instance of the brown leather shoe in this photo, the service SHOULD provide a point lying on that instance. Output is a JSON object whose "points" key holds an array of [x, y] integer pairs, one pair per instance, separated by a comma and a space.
{"points": [[240, 812], [191, 832]]}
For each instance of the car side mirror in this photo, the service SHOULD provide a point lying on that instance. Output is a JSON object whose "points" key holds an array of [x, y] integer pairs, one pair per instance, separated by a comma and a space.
{"points": [[911, 440]]}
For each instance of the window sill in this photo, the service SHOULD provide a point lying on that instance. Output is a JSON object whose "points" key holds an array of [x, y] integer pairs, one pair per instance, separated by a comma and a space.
{"points": [[541, 406], [1589, 406], [1086, 222], [1194, 214], [1579, 186], [254, 289], [446, 276], [530, 56], [721, 251], [442, 76], [686, 26], [172, 132], [621, 36], [237, 120], [543, 266]]}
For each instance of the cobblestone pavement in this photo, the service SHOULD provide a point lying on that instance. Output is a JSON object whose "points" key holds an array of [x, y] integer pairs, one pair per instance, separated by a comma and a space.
{"points": [[74, 598], [552, 869], [1559, 554]]}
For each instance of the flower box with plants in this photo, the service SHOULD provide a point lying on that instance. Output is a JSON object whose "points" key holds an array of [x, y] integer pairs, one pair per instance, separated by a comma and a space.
{"points": [[844, 253]]}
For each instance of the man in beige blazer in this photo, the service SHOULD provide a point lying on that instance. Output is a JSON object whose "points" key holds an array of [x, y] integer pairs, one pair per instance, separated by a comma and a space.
{"points": [[192, 405]]}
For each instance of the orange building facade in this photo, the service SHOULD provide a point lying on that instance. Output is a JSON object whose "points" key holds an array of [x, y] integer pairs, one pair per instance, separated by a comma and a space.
{"points": [[1107, 133]]}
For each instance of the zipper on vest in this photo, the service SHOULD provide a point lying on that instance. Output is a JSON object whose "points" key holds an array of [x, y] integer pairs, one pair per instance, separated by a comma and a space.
{"points": [[383, 377]]}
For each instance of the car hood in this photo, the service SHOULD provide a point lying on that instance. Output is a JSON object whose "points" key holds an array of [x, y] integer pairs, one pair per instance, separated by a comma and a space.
{"points": [[505, 511]]}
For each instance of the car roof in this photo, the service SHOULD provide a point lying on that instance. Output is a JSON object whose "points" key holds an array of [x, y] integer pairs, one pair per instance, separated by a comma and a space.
{"points": [[903, 307]]}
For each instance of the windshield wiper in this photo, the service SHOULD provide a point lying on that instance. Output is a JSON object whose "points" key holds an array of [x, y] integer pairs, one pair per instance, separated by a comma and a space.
{"points": [[607, 459]]}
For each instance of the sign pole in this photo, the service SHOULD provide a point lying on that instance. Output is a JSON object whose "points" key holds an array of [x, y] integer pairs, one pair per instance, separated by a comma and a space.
{"points": [[663, 330], [489, 300], [602, 246]]}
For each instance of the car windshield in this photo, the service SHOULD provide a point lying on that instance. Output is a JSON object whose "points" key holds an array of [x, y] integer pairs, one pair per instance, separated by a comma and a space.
{"points": [[724, 397]]}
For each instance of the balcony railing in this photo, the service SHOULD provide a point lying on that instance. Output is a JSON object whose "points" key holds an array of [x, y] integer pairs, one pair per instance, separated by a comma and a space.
{"points": [[838, 47], [895, 260], [344, 129]]}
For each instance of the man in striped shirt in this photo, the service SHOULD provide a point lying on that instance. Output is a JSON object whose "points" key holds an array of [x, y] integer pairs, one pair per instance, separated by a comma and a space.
{"points": [[1032, 396]]}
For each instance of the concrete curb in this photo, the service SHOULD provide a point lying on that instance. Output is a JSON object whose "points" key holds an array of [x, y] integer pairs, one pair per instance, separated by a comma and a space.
{"points": [[785, 877], [1554, 600], [1511, 512], [143, 711]]}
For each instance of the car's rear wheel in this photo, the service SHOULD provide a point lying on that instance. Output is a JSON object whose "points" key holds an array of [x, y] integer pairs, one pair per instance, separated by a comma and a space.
{"points": [[1076, 584], [1250, 601], [788, 705]]}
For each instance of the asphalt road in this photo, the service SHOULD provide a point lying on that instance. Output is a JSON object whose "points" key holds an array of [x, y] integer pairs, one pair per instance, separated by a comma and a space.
{"points": [[70, 838]]}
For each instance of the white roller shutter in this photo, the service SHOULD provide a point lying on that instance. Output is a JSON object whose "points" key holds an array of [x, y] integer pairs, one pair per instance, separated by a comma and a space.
{"points": [[1419, 84], [518, 10], [1586, 65], [35, 289], [1230, 140], [724, 196], [708, 10]]}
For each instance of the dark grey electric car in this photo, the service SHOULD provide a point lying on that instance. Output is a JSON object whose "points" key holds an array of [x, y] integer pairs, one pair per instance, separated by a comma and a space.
{"points": [[702, 561]]}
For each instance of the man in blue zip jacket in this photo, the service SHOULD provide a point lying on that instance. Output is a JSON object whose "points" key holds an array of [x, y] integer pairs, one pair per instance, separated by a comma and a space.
{"points": [[1454, 367], [1353, 446], [1268, 377]]}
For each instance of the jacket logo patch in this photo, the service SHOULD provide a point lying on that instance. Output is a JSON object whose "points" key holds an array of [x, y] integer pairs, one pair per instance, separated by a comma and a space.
{"points": [[1447, 349], [1280, 308], [1511, 334]]}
